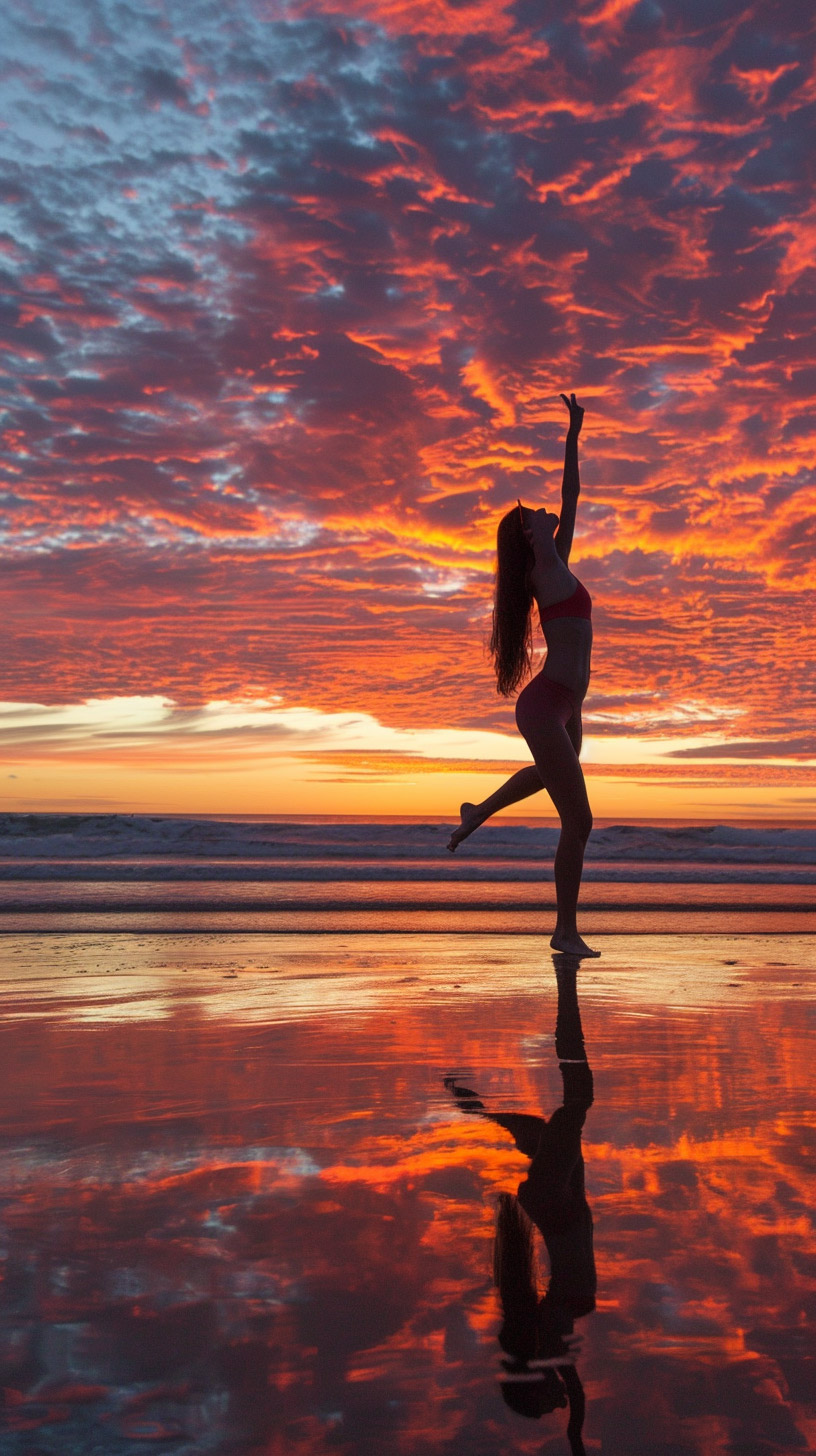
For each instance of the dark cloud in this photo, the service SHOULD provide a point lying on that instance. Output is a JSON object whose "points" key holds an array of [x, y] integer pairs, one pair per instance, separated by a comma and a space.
{"points": [[796, 747], [160, 85]]}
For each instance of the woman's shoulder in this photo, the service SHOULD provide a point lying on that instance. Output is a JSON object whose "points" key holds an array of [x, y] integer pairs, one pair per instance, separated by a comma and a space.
{"points": [[553, 587]]}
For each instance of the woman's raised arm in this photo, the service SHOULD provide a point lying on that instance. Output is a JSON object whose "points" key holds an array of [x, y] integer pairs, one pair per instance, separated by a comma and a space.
{"points": [[571, 484]]}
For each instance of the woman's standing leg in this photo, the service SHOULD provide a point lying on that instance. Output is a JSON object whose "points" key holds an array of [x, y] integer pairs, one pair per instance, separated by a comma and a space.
{"points": [[562, 776]]}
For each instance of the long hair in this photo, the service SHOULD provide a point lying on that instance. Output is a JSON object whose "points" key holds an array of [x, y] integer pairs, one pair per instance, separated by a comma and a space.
{"points": [[511, 641], [514, 1274]]}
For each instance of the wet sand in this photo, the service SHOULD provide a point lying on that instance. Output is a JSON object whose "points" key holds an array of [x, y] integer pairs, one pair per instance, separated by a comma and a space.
{"points": [[243, 1212]]}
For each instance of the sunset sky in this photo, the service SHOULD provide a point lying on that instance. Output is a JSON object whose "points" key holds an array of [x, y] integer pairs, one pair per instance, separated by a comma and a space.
{"points": [[288, 293]]}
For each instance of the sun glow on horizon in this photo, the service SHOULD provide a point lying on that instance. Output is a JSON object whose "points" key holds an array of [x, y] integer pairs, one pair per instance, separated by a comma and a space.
{"points": [[262, 756]]}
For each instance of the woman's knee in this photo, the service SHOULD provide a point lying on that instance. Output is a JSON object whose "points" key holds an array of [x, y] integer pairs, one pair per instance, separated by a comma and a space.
{"points": [[578, 823]]}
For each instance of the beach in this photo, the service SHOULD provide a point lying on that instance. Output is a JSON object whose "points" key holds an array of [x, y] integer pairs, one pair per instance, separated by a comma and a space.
{"points": [[249, 1196]]}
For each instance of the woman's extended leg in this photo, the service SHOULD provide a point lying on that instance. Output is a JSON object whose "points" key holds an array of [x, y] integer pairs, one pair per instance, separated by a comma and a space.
{"points": [[519, 786]]}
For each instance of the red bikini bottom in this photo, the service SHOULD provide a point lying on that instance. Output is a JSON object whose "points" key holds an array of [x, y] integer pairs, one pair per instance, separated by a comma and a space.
{"points": [[543, 698]]}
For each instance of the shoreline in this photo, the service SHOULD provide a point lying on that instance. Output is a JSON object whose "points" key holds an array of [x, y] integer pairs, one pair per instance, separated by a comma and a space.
{"points": [[309, 976], [429, 924]]}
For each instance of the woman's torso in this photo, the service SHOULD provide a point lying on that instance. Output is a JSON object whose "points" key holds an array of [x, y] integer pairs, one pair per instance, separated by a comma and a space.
{"points": [[569, 639]]}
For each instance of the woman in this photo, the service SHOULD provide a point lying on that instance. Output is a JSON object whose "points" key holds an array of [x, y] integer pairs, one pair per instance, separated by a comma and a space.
{"points": [[533, 550]]}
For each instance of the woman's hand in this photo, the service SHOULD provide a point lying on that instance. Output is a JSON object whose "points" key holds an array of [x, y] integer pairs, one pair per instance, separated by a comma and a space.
{"points": [[576, 414]]}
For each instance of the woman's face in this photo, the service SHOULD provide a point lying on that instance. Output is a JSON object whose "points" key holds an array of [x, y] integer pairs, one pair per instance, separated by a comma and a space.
{"points": [[541, 525]]}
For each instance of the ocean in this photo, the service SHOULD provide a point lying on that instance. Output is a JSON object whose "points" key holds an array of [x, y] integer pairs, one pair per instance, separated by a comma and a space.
{"points": [[122, 872]]}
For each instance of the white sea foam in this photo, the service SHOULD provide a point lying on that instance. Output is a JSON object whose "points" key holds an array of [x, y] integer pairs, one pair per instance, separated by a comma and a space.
{"points": [[123, 845]]}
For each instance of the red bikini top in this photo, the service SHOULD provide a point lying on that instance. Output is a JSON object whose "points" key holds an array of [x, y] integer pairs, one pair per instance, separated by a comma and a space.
{"points": [[579, 604]]}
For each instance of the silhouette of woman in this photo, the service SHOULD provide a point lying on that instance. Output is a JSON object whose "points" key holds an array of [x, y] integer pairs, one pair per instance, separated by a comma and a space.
{"points": [[539, 1373], [533, 550]]}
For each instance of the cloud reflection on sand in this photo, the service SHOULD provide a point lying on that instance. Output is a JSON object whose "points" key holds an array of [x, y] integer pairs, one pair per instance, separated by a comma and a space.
{"points": [[234, 1230]]}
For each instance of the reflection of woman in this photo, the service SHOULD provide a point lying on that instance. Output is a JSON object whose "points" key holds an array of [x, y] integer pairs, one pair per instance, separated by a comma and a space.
{"points": [[537, 1334], [533, 550]]}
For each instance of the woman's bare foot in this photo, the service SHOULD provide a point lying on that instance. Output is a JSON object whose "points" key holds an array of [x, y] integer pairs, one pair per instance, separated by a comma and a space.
{"points": [[570, 943], [469, 815]]}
